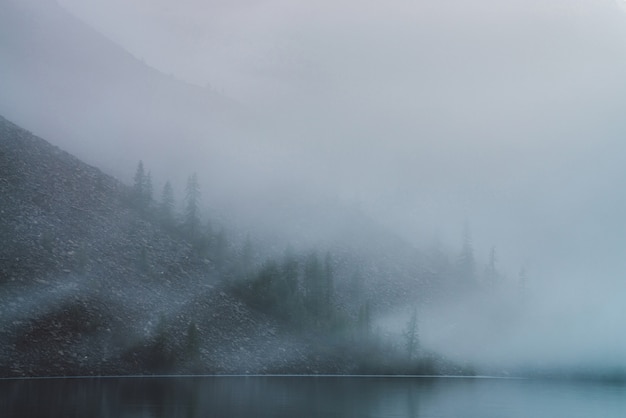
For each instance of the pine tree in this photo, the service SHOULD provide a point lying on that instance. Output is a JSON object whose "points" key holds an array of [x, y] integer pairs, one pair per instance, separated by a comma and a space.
{"points": [[328, 284], [319, 288], [491, 271], [290, 270], [146, 196], [139, 184], [247, 257], [411, 335], [191, 220], [313, 286], [192, 343], [142, 188], [166, 207]]}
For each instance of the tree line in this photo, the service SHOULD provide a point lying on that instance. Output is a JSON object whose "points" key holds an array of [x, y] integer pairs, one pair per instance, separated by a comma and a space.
{"points": [[299, 290]]}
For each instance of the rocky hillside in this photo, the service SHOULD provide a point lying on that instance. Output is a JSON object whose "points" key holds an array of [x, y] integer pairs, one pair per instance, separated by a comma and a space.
{"points": [[91, 285]]}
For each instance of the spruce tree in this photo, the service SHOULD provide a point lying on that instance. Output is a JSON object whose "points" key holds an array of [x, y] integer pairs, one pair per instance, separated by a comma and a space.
{"points": [[491, 272], [146, 196], [191, 219], [411, 335], [139, 184], [328, 284], [166, 206], [313, 285], [142, 187]]}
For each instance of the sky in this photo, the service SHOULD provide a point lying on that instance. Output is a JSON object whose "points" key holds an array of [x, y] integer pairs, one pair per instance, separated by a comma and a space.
{"points": [[428, 114]]}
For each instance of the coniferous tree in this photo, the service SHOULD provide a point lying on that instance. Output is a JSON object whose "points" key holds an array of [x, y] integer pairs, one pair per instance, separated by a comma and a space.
{"points": [[191, 219], [192, 343], [318, 288], [147, 190], [142, 188], [411, 335], [139, 184], [247, 257], [313, 286], [290, 271], [491, 271], [167, 204], [328, 284]]}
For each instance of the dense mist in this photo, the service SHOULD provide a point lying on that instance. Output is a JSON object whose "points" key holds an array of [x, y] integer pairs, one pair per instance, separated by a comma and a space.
{"points": [[329, 124]]}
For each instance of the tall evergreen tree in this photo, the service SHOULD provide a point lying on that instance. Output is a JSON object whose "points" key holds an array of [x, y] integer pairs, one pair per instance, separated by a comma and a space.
{"points": [[147, 190], [313, 285], [290, 269], [142, 187], [192, 343], [318, 287], [491, 271], [139, 183], [247, 257], [167, 205], [191, 219], [328, 284], [411, 335]]}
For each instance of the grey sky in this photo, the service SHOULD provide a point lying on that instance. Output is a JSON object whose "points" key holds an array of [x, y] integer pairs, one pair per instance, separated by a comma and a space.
{"points": [[507, 113]]}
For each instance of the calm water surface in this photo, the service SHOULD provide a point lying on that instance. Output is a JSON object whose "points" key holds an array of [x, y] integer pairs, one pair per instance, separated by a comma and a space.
{"points": [[305, 397]]}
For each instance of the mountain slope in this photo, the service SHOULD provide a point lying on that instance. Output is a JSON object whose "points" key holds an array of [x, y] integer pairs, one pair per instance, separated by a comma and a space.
{"points": [[62, 79], [90, 285]]}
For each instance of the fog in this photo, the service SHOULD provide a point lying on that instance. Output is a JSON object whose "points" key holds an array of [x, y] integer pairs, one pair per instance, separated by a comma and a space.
{"points": [[428, 114], [422, 115]]}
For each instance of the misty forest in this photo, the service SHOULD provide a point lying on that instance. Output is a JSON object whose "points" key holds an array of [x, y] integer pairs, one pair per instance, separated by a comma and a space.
{"points": [[312, 189]]}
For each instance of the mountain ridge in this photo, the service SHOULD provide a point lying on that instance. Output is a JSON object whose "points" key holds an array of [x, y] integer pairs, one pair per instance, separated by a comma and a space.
{"points": [[56, 68]]}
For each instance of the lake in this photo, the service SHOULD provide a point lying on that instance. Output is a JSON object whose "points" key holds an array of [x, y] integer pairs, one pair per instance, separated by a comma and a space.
{"points": [[302, 397]]}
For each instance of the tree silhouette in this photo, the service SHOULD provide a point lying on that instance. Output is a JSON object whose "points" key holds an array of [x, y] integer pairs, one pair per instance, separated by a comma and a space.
{"points": [[191, 219], [411, 335], [166, 206], [142, 187], [491, 271]]}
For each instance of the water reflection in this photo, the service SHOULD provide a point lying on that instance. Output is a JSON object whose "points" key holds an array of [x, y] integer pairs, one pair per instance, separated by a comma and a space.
{"points": [[306, 397]]}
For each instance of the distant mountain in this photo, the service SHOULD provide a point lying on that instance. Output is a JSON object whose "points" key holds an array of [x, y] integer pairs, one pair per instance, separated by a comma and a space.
{"points": [[62, 79]]}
